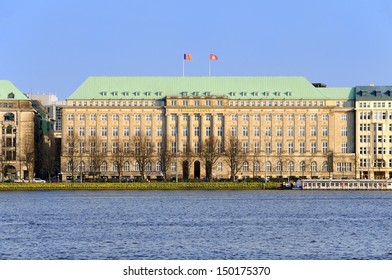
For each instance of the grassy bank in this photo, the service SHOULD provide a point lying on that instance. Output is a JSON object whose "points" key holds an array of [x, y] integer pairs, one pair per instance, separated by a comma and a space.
{"points": [[139, 186]]}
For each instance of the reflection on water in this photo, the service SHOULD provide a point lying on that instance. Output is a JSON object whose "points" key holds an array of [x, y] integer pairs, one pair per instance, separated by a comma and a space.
{"points": [[195, 225]]}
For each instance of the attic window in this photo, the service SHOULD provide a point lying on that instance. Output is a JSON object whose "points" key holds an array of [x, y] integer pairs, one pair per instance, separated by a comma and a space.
{"points": [[104, 93], [277, 93], [137, 93], [195, 93], [266, 93], [126, 93], [243, 93], [148, 93], [255, 93], [207, 93], [184, 93], [289, 93], [114, 93], [11, 95], [159, 93]]}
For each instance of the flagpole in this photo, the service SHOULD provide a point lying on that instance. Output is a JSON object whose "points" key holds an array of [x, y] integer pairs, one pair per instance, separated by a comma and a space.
{"points": [[183, 67], [209, 67]]}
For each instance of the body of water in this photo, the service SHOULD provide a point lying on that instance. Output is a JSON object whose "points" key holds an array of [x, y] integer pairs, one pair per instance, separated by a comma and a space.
{"points": [[196, 225]]}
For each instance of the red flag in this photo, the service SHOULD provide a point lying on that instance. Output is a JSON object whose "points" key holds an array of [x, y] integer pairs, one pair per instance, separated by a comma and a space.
{"points": [[213, 57], [187, 56]]}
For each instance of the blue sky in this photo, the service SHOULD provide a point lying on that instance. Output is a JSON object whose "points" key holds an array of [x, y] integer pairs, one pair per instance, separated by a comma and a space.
{"points": [[53, 46]]}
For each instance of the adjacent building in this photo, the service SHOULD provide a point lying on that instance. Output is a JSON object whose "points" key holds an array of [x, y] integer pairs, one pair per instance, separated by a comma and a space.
{"points": [[17, 146]]}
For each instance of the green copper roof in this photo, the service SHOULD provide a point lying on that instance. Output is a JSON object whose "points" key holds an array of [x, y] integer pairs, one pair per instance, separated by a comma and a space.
{"points": [[9, 91], [232, 87], [338, 93]]}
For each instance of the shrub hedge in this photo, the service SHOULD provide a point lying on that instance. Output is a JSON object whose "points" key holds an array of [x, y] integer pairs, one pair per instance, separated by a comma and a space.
{"points": [[140, 186]]}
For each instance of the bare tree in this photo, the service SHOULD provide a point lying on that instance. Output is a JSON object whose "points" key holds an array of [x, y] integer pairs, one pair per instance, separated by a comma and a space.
{"points": [[27, 154], [166, 157], [188, 156], [209, 154], [143, 151], [120, 156], [71, 153], [95, 156], [234, 156], [49, 162]]}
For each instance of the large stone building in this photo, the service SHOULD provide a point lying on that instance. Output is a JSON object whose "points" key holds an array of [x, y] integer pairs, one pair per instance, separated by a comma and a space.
{"points": [[184, 127], [17, 148]]}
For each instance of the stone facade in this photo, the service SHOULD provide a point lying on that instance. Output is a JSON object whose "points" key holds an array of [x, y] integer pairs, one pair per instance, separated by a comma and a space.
{"points": [[285, 126]]}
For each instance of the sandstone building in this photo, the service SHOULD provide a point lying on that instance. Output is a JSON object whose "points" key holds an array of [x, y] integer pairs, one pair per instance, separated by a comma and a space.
{"points": [[281, 126]]}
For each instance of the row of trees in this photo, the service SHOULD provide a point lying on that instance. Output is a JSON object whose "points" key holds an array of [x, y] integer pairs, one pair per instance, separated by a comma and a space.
{"points": [[141, 151]]}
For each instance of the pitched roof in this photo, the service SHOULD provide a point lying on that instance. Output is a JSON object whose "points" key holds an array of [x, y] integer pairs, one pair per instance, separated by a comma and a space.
{"points": [[9, 91], [258, 87]]}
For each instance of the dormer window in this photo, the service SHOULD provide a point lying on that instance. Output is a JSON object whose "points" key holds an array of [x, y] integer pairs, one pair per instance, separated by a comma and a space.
{"points": [[11, 95]]}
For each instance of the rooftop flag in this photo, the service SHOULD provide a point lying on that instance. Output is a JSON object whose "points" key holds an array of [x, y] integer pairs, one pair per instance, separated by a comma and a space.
{"points": [[187, 56], [213, 57]]}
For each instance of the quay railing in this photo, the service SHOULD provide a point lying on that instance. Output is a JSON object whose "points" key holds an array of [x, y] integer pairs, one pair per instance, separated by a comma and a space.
{"points": [[346, 184]]}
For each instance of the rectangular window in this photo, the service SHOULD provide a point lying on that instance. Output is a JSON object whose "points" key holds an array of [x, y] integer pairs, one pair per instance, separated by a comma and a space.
{"points": [[82, 117], [126, 117], [279, 148], [301, 131], [279, 131], [256, 131], [256, 147], [233, 131], [325, 147], [137, 117], [104, 131], [290, 131], [208, 131], [245, 131], [104, 147], [148, 131], [344, 149], [115, 117], [126, 131], [301, 147], [137, 131], [93, 131], [159, 131], [245, 147], [197, 131], [115, 131], [343, 131], [313, 131], [82, 131], [220, 131], [290, 147], [185, 131], [268, 131], [313, 147], [104, 117]]}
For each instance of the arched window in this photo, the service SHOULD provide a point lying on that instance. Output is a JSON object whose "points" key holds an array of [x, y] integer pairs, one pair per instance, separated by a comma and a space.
{"points": [[114, 166], [291, 166], [92, 167], [245, 166], [314, 166], [137, 168], [302, 166], [69, 166], [325, 166], [148, 167], [127, 167], [256, 166], [8, 130], [82, 166], [104, 167], [158, 166], [268, 166], [279, 166]]}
